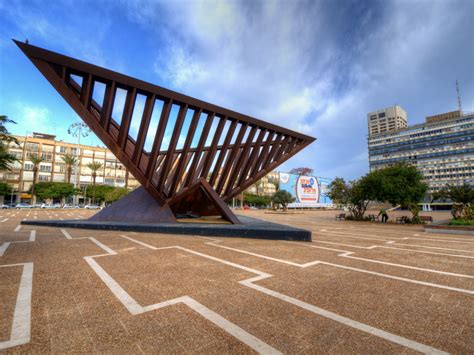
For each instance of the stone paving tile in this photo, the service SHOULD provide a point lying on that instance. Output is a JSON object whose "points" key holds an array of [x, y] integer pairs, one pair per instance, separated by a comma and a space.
{"points": [[9, 281], [73, 310]]}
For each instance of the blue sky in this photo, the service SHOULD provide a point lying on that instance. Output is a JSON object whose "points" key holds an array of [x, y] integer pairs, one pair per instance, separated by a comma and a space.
{"points": [[314, 66]]}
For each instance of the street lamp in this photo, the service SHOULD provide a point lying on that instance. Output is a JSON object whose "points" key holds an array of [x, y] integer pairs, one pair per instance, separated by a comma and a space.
{"points": [[11, 196], [78, 130]]}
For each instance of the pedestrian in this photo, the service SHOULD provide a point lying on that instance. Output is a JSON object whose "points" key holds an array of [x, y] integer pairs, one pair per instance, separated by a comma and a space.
{"points": [[384, 215]]}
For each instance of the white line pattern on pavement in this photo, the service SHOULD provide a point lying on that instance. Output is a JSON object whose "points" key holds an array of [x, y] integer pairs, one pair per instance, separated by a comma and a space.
{"points": [[309, 307], [21, 326]]}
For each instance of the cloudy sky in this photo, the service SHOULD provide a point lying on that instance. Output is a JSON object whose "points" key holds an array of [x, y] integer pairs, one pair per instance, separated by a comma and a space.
{"points": [[313, 66]]}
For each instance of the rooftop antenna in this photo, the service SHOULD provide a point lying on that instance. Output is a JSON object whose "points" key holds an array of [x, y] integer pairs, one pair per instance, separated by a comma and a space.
{"points": [[459, 96]]}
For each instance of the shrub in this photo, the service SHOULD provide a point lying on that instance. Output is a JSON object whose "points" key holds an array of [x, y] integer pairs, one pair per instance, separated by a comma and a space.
{"points": [[283, 198], [461, 222]]}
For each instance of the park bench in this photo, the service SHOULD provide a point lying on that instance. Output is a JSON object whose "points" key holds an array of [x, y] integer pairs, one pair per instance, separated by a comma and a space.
{"points": [[402, 219], [373, 217], [341, 216], [426, 219]]}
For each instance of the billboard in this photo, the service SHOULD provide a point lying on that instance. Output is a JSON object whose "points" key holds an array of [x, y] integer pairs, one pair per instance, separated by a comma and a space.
{"points": [[309, 191]]}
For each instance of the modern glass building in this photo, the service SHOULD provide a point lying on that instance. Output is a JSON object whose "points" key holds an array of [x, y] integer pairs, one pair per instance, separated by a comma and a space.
{"points": [[442, 149]]}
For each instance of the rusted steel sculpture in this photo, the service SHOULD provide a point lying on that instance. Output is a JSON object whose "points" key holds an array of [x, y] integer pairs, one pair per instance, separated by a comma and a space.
{"points": [[221, 152]]}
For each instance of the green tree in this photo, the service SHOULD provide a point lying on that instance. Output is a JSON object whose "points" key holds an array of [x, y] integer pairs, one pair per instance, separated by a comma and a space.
{"points": [[275, 182], [100, 192], [256, 200], [5, 139], [401, 184], [258, 184], [5, 189], [302, 171], [339, 191], [355, 194], [462, 198], [283, 198], [69, 161], [54, 190], [115, 194], [36, 160], [94, 167]]}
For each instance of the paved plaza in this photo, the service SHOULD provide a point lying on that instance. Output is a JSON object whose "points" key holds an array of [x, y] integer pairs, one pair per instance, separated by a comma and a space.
{"points": [[359, 287]]}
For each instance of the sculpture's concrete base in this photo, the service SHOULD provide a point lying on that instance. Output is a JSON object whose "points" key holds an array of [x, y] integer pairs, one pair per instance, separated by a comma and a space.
{"points": [[250, 228], [137, 206]]}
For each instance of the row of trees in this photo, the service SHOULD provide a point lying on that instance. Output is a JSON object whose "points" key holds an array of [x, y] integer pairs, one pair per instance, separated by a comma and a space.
{"points": [[51, 190], [69, 161], [280, 198], [400, 185], [62, 190]]}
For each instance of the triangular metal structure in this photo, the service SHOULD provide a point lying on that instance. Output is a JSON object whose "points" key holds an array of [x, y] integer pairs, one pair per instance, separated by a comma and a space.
{"points": [[227, 150]]}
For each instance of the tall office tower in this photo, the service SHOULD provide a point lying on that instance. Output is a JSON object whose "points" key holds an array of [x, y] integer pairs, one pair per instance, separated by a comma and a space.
{"points": [[388, 119], [442, 149]]}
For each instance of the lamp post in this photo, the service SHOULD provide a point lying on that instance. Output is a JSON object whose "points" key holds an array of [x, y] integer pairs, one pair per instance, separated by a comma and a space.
{"points": [[78, 130], [11, 196]]}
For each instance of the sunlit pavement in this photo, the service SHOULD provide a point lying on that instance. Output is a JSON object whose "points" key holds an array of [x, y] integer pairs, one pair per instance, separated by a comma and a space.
{"points": [[358, 287]]}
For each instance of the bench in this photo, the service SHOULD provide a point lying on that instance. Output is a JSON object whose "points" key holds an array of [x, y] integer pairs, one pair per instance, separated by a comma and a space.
{"points": [[341, 216], [426, 219], [373, 217], [402, 219]]}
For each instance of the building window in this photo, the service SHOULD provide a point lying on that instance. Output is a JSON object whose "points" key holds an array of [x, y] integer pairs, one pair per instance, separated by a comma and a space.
{"points": [[62, 149], [381, 114], [33, 147], [47, 156], [28, 166], [45, 168], [43, 178], [110, 164], [17, 155], [30, 154]]}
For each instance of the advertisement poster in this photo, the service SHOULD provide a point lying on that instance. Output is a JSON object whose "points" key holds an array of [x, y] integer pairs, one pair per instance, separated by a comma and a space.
{"points": [[323, 190], [309, 191]]}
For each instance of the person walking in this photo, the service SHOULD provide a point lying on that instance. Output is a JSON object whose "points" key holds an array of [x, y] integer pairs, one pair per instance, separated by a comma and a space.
{"points": [[384, 215]]}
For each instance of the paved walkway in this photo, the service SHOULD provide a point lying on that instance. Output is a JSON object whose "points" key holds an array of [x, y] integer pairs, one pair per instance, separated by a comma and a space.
{"points": [[358, 287]]}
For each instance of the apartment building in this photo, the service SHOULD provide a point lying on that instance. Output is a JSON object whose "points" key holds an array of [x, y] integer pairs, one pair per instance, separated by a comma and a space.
{"points": [[266, 186], [442, 149], [52, 167], [389, 119]]}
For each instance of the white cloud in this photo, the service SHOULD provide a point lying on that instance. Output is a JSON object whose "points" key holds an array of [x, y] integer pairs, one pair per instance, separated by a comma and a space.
{"points": [[307, 68], [72, 31], [32, 118], [181, 70], [315, 67]]}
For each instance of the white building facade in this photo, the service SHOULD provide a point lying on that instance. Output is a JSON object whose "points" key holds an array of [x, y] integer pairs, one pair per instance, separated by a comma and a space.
{"points": [[442, 149]]}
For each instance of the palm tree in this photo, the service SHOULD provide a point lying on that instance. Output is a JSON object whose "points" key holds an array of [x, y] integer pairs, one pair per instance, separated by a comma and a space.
{"points": [[69, 161], [36, 160], [94, 166], [5, 138], [258, 185]]}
